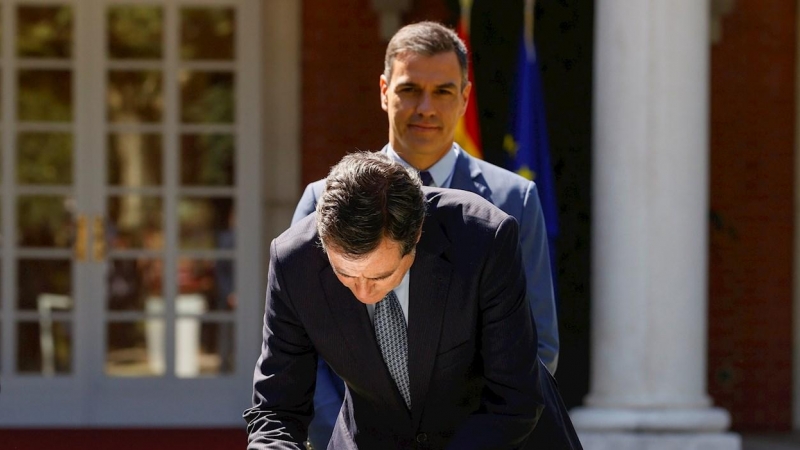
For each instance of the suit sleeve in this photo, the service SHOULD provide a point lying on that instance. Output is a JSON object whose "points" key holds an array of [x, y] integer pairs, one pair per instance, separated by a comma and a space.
{"points": [[536, 260], [511, 401], [329, 393], [283, 382]]}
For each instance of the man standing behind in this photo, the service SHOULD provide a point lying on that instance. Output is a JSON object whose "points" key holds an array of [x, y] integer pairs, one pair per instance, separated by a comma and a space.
{"points": [[424, 91], [433, 337]]}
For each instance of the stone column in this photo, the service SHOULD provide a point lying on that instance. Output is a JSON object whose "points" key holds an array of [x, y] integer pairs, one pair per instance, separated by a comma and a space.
{"points": [[650, 245]]}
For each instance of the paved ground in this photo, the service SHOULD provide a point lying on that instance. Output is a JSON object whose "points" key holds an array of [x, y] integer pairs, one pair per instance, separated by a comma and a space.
{"points": [[771, 441]]}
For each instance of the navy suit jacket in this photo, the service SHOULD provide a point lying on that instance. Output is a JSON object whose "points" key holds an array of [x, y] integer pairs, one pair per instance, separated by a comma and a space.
{"points": [[476, 381], [517, 197]]}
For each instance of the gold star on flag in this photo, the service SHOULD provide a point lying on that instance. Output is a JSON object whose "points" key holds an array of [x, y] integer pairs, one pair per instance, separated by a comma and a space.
{"points": [[510, 145], [526, 172]]}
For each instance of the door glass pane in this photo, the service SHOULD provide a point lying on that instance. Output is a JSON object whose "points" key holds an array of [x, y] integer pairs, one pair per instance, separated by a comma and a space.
{"points": [[44, 31], [44, 347], [131, 283], [44, 285], [135, 349], [203, 348], [44, 158], [210, 280], [134, 159], [135, 96], [205, 223], [135, 32], [44, 221], [44, 95], [207, 160], [136, 222], [207, 33], [207, 97]]}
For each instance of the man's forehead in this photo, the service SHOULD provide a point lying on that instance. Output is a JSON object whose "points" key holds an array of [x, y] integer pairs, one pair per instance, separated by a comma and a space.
{"points": [[381, 262], [415, 64], [387, 249]]}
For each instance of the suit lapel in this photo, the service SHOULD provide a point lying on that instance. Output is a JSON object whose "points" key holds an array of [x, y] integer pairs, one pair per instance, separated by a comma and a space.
{"points": [[428, 291], [468, 176], [358, 334]]}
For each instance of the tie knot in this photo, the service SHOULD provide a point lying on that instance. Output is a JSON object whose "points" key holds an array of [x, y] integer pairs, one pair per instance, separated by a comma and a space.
{"points": [[426, 177]]}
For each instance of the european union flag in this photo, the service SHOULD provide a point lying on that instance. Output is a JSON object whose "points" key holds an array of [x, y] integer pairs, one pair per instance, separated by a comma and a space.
{"points": [[527, 143]]}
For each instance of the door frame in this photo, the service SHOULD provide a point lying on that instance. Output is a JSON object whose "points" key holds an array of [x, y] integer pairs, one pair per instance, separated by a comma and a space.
{"points": [[35, 401]]}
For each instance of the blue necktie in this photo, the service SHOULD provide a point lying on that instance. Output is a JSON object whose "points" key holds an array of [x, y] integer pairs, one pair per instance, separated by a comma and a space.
{"points": [[427, 179], [390, 330]]}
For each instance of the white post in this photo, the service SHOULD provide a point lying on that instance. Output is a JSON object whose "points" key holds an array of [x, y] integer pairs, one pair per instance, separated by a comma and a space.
{"points": [[650, 221]]}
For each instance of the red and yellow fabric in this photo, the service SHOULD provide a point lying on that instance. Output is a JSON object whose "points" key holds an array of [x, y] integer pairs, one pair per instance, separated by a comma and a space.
{"points": [[468, 133]]}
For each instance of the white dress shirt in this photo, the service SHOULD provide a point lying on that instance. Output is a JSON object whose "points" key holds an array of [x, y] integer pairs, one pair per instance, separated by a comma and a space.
{"points": [[441, 172]]}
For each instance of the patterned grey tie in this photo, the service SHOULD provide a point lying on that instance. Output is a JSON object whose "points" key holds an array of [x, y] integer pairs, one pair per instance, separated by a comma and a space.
{"points": [[390, 330], [427, 179]]}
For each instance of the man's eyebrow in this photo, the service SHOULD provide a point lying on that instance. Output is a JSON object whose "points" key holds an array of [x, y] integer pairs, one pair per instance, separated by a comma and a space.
{"points": [[407, 84], [379, 277], [382, 276], [339, 272], [448, 85]]}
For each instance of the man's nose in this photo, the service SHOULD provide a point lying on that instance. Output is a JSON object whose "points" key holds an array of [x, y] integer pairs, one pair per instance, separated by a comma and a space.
{"points": [[361, 289], [425, 104]]}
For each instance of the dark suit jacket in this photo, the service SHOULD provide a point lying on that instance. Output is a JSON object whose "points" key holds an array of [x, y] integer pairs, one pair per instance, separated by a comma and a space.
{"points": [[517, 197], [475, 379]]}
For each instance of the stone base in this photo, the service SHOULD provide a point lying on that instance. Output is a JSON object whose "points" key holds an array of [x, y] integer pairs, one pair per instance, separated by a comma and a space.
{"points": [[657, 420], [659, 441]]}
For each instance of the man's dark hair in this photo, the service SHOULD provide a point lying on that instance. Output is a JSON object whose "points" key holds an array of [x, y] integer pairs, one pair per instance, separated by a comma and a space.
{"points": [[429, 39], [367, 197]]}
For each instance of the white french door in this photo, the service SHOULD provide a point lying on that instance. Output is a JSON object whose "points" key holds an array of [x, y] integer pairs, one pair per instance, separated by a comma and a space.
{"points": [[129, 211]]}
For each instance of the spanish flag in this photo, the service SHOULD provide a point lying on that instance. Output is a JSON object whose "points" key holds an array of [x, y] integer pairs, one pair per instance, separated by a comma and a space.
{"points": [[468, 132]]}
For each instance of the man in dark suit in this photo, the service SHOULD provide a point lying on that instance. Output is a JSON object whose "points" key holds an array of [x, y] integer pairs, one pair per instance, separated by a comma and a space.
{"points": [[417, 300], [424, 90]]}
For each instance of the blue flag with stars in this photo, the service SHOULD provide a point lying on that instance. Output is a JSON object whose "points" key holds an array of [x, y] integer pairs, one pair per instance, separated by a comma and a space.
{"points": [[527, 145]]}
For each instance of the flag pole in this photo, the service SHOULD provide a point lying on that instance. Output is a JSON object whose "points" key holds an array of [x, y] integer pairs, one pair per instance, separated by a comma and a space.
{"points": [[466, 14], [530, 50]]}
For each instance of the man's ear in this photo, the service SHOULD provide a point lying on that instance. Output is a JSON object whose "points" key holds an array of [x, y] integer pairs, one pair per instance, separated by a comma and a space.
{"points": [[384, 83], [465, 96]]}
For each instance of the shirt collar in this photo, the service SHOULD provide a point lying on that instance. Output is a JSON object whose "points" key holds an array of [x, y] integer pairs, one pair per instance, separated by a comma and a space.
{"points": [[442, 171]]}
